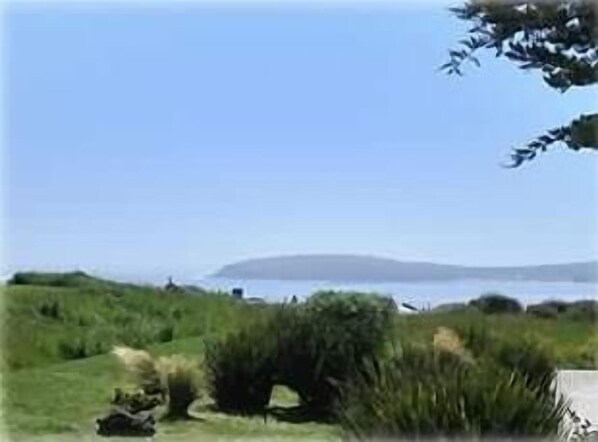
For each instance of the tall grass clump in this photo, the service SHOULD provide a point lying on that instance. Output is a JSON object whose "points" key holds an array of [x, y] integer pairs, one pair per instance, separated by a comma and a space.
{"points": [[175, 377], [431, 392], [240, 369], [522, 355], [180, 379]]}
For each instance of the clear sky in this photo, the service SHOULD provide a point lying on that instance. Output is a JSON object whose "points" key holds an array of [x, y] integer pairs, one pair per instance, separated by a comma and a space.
{"points": [[173, 140]]}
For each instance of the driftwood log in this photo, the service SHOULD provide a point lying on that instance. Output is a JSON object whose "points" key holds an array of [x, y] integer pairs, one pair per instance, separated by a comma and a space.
{"points": [[119, 422], [130, 416]]}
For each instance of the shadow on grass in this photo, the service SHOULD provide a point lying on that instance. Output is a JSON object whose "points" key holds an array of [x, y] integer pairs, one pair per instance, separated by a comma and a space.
{"points": [[297, 414], [294, 414], [189, 418]]}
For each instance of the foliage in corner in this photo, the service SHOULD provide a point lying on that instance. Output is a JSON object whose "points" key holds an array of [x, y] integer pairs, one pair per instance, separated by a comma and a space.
{"points": [[557, 38]]}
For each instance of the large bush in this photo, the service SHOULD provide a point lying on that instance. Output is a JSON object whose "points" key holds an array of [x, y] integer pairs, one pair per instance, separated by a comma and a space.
{"points": [[324, 343], [429, 392], [312, 348], [495, 303], [360, 318]]}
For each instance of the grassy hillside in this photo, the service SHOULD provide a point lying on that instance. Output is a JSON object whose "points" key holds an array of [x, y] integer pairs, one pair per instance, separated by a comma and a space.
{"points": [[58, 327], [50, 318]]}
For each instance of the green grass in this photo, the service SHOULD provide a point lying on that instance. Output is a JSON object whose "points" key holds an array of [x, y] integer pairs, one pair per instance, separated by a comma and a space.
{"points": [[573, 343], [64, 399], [49, 393], [46, 393], [48, 324]]}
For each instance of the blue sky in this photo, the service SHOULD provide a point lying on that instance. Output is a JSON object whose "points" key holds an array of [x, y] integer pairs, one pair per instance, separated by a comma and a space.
{"points": [[173, 140]]}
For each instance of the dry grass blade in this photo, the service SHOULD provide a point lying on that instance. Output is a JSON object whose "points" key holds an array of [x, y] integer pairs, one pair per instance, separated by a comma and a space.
{"points": [[448, 340]]}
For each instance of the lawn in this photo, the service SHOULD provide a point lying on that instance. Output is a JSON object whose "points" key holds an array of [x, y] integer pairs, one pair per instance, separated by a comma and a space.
{"points": [[64, 399]]}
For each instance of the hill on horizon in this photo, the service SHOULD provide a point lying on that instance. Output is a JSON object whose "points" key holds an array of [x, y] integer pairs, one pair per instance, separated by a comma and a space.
{"points": [[369, 268]]}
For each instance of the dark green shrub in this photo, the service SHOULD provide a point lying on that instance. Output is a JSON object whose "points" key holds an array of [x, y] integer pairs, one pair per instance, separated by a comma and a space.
{"points": [[542, 311], [361, 318], [495, 303], [73, 349], [425, 393], [312, 348], [18, 278], [548, 309], [50, 310], [83, 320], [586, 310], [325, 341], [165, 334], [240, 370], [82, 347], [559, 306], [69, 279], [176, 313]]}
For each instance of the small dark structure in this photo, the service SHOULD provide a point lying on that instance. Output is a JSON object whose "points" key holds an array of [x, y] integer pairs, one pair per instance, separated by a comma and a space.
{"points": [[294, 300], [171, 286], [237, 293]]}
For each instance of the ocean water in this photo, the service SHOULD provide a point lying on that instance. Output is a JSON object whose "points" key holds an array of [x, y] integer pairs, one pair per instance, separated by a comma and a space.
{"points": [[420, 294]]}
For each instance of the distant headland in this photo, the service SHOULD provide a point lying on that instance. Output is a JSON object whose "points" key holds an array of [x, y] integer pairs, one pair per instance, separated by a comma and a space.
{"points": [[369, 268]]}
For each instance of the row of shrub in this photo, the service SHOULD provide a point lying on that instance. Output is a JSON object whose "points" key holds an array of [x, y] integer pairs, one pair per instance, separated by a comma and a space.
{"points": [[500, 304], [577, 310], [338, 353]]}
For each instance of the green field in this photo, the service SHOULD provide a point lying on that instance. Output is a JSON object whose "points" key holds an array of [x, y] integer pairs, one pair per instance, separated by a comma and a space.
{"points": [[58, 376]]}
